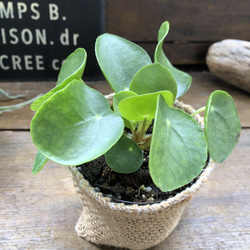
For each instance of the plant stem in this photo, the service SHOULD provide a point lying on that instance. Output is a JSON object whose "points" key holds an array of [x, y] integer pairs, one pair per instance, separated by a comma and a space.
{"points": [[14, 96], [146, 143], [143, 129], [198, 111], [17, 106]]}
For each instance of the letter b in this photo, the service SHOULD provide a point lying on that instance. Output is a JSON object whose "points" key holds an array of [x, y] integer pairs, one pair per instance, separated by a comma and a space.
{"points": [[53, 11]]}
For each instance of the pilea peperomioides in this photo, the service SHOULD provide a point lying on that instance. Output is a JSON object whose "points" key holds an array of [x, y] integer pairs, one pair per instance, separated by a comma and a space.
{"points": [[75, 124]]}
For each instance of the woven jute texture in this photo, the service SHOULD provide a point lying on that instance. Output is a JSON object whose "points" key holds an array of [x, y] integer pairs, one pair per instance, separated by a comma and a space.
{"points": [[131, 226]]}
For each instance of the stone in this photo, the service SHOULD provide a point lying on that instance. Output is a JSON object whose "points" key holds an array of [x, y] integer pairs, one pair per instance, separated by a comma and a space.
{"points": [[230, 60], [97, 189], [148, 189]]}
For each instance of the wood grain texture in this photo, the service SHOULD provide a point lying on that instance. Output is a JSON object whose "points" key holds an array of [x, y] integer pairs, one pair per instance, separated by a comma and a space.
{"points": [[40, 212], [190, 20], [36, 211], [180, 53], [194, 25], [203, 85]]}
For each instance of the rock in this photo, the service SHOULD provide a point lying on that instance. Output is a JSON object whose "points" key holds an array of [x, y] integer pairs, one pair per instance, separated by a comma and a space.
{"points": [[108, 195], [142, 188], [230, 60], [148, 189], [150, 199], [97, 189]]}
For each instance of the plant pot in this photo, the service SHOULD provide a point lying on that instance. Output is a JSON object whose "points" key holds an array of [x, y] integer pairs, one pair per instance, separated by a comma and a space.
{"points": [[131, 226]]}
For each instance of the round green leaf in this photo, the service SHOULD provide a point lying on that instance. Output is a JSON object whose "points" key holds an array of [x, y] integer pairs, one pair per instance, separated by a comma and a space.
{"points": [[75, 125], [116, 100], [119, 60], [222, 125], [138, 108], [125, 156], [153, 78], [39, 163], [178, 150], [118, 97], [72, 68], [183, 79]]}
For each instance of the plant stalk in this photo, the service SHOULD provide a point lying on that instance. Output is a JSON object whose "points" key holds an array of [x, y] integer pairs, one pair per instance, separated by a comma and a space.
{"points": [[12, 96], [141, 130], [198, 111], [146, 142], [17, 106]]}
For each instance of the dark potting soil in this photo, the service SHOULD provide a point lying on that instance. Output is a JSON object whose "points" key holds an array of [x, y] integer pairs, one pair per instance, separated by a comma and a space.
{"points": [[137, 187]]}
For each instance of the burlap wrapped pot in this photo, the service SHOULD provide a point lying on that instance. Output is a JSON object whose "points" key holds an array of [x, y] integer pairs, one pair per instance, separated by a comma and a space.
{"points": [[131, 226]]}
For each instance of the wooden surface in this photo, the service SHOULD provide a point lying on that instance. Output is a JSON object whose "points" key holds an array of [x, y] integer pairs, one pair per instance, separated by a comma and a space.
{"points": [[194, 24], [40, 212]]}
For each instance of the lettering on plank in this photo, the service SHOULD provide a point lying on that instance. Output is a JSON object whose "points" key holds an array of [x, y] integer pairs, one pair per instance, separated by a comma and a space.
{"points": [[36, 37]]}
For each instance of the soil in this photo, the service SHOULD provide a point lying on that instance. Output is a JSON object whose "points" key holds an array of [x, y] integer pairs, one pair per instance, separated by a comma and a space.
{"points": [[133, 188]]}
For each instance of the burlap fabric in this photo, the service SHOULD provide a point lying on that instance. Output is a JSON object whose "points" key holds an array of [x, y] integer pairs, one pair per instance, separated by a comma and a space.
{"points": [[131, 226]]}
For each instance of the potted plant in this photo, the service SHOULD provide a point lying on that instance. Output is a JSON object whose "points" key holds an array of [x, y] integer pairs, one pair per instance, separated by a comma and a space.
{"points": [[140, 133]]}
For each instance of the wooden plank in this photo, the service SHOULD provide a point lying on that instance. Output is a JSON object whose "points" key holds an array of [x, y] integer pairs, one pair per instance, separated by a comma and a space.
{"points": [[190, 20], [36, 38], [36, 211], [39, 212], [180, 53], [203, 84], [194, 25]]}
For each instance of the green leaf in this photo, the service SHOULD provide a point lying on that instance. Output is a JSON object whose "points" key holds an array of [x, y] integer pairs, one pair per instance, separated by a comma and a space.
{"points": [[116, 100], [124, 157], [39, 163], [76, 125], [119, 60], [222, 125], [153, 78], [38, 102], [183, 79], [178, 149], [119, 97], [138, 108], [72, 68]]}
